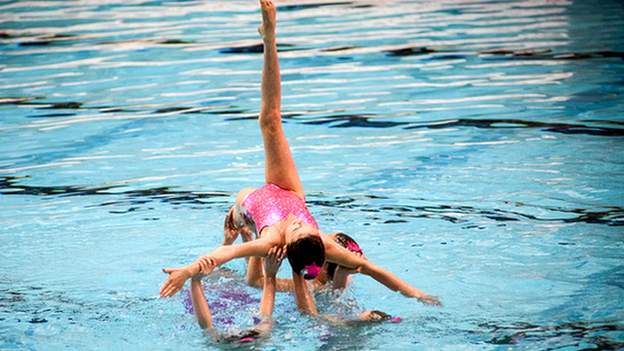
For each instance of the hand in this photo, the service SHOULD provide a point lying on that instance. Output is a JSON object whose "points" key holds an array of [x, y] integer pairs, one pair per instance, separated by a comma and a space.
{"points": [[175, 281], [430, 300], [246, 233], [206, 265], [273, 260], [269, 19], [230, 233]]}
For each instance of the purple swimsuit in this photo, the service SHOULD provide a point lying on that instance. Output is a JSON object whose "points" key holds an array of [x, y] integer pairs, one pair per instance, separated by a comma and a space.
{"points": [[271, 204]]}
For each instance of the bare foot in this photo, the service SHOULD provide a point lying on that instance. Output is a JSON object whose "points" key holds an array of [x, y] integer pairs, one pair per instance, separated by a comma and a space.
{"points": [[269, 20]]}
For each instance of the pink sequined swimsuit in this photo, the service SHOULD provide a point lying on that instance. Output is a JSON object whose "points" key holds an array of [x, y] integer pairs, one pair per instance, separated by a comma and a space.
{"points": [[271, 204]]}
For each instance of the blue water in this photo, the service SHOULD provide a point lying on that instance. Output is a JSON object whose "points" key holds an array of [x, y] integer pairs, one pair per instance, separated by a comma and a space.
{"points": [[472, 147]]}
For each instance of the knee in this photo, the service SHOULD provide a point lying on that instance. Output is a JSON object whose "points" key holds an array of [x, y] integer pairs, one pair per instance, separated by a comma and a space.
{"points": [[270, 121]]}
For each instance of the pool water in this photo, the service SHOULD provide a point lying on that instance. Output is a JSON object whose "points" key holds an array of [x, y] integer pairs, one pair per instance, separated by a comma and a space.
{"points": [[475, 148]]}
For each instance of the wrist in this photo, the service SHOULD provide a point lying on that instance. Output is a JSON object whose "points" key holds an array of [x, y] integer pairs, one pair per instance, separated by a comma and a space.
{"points": [[417, 294], [191, 270]]}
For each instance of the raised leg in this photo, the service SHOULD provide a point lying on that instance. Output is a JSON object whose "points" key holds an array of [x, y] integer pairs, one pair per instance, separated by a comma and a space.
{"points": [[280, 167]]}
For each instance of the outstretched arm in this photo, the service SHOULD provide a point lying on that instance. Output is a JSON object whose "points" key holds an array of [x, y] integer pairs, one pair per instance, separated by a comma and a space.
{"points": [[341, 256], [205, 264], [395, 283]]}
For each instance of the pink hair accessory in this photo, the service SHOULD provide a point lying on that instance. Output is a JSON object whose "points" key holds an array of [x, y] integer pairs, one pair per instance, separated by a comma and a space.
{"points": [[311, 271], [396, 320]]}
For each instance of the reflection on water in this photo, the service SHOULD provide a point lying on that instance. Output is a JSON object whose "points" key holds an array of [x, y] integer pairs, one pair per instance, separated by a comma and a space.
{"points": [[473, 147]]}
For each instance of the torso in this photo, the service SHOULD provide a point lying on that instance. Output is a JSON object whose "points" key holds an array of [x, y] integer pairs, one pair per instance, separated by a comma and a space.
{"points": [[271, 205]]}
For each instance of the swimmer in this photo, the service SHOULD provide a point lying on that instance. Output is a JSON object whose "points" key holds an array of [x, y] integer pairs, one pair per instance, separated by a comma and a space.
{"points": [[276, 212], [271, 265], [332, 276]]}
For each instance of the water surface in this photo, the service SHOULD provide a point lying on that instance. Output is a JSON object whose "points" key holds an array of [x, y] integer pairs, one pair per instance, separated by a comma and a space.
{"points": [[472, 147]]}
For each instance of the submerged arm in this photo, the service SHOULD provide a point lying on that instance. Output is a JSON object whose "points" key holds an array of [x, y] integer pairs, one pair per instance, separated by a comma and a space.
{"points": [[200, 306], [281, 285], [268, 297], [272, 262], [303, 298]]}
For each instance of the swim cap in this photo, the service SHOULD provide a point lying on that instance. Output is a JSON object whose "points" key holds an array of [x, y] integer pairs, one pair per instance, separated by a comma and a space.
{"points": [[354, 247], [311, 271]]}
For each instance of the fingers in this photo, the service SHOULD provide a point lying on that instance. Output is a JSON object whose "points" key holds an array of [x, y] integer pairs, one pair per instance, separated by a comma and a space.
{"points": [[167, 285], [280, 252], [277, 253], [436, 301], [273, 260], [272, 251], [206, 264], [169, 289], [283, 252], [166, 289], [431, 300], [228, 221]]}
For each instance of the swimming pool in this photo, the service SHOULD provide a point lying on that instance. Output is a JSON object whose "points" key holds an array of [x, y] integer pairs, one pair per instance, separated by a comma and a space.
{"points": [[473, 147]]}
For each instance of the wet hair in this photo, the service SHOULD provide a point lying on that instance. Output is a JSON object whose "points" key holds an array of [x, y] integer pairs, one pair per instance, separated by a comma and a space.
{"points": [[245, 336], [378, 316], [348, 243], [306, 253]]}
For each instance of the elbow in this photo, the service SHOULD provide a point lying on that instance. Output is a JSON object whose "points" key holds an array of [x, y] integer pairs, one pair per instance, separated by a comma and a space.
{"points": [[366, 268]]}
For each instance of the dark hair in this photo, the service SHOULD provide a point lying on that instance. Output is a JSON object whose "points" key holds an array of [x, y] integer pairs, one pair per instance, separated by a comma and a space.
{"points": [[244, 336], [304, 252], [344, 240]]}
